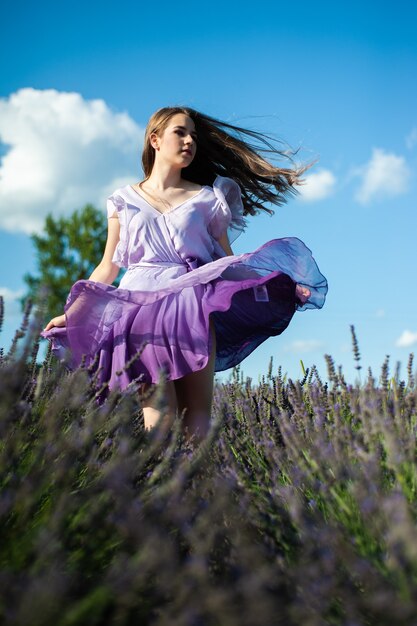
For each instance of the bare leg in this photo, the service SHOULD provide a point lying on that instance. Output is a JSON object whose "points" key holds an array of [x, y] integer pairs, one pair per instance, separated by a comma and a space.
{"points": [[195, 395], [153, 406]]}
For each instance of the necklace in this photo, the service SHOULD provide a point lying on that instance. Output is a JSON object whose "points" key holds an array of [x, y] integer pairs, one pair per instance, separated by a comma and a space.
{"points": [[164, 202]]}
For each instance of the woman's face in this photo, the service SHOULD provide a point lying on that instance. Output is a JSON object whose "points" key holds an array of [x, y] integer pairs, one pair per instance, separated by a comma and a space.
{"points": [[177, 144]]}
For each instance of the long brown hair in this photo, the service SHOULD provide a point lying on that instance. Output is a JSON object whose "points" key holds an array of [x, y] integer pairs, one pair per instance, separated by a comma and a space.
{"points": [[222, 149]]}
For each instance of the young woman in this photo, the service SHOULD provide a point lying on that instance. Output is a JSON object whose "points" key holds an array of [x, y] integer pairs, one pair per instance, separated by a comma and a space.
{"points": [[186, 300]]}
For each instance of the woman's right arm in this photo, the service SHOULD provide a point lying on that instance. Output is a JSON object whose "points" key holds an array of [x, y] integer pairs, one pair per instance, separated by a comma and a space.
{"points": [[106, 271]]}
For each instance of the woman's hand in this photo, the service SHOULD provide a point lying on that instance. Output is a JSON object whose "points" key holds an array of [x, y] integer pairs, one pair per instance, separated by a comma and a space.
{"points": [[58, 321]]}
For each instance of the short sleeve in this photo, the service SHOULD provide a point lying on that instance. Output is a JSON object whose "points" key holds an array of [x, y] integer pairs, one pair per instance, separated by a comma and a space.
{"points": [[116, 204], [228, 211], [111, 207]]}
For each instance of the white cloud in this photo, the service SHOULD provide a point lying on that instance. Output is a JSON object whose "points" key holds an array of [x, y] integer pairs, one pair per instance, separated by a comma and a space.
{"points": [[9, 294], [301, 345], [11, 301], [317, 186], [406, 339], [380, 313], [411, 139], [386, 174], [63, 151]]}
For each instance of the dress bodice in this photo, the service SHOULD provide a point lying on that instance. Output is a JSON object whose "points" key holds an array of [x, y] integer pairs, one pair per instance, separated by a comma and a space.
{"points": [[188, 231]]}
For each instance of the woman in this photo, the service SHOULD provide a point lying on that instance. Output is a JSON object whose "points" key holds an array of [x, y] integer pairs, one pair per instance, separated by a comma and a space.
{"points": [[187, 306]]}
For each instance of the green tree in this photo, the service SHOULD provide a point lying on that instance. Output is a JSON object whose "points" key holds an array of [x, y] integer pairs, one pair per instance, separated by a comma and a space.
{"points": [[67, 250]]}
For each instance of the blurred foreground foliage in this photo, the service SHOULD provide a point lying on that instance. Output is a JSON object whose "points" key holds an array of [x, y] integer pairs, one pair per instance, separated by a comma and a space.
{"points": [[299, 509], [68, 250]]}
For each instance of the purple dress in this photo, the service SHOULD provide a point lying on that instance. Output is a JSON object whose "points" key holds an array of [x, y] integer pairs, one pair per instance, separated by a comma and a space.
{"points": [[177, 276]]}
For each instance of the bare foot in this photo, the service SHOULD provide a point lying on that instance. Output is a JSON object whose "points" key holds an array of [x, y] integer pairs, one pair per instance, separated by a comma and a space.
{"points": [[302, 293]]}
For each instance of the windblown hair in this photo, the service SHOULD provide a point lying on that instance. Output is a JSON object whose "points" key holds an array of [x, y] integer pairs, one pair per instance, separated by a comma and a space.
{"points": [[223, 149]]}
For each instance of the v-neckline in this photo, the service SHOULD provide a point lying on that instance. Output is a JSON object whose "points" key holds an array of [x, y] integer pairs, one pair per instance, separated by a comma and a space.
{"points": [[173, 208]]}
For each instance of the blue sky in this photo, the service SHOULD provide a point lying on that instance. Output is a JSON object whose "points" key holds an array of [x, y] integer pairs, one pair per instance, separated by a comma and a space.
{"points": [[339, 82]]}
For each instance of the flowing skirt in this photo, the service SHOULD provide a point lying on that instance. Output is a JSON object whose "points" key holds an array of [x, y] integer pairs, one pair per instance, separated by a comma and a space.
{"points": [[125, 334]]}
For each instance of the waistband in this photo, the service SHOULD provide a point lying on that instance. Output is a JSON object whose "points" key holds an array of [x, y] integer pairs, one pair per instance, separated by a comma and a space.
{"points": [[190, 263]]}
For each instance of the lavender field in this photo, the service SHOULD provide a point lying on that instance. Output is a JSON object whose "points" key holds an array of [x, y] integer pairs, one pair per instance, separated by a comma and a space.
{"points": [[299, 509]]}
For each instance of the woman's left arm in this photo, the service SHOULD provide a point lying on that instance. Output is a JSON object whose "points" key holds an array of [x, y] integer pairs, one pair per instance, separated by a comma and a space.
{"points": [[224, 242]]}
